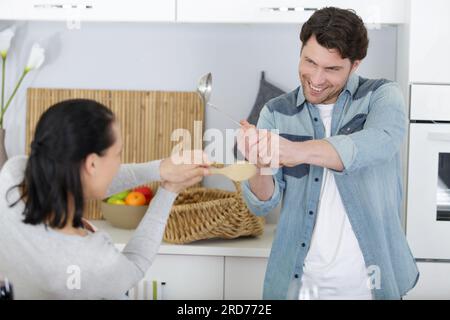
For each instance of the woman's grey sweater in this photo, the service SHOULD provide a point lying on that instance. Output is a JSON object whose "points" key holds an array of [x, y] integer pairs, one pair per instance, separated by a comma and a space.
{"points": [[43, 263]]}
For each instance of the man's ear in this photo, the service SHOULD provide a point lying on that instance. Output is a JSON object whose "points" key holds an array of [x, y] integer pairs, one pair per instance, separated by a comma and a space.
{"points": [[90, 164], [355, 65]]}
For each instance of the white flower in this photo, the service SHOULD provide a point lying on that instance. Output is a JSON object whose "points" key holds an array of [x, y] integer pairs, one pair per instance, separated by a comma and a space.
{"points": [[5, 40], [36, 59]]}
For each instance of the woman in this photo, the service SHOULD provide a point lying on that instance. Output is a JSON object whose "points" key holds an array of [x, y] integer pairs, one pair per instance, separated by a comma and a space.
{"points": [[45, 243]]}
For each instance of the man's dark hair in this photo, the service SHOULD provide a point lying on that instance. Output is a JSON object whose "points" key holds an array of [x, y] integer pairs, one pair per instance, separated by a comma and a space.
{"points": [[338, 29], [65, 135]]}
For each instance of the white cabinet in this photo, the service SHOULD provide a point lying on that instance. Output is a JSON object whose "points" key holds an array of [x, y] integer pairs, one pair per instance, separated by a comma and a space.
{"points": [[209, 269], [244, 278], [430, 102], [192, 277], [188, 277], [284, 11], [434, 282], [430, 41], [215, 11], [88, 10]]}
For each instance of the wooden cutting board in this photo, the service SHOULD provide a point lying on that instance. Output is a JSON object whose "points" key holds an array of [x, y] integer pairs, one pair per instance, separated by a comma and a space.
{"points": [[147, 120]]}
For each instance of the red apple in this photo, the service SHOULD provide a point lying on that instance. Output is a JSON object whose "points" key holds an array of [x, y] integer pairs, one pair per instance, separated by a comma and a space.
{"points": [[146, 191]]}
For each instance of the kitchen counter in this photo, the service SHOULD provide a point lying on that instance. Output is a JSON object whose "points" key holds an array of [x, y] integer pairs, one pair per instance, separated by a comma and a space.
{"points": [[258, 247]]}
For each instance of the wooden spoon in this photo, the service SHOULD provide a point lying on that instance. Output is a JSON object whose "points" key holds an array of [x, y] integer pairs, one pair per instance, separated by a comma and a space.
{"points": [[236, 172]]}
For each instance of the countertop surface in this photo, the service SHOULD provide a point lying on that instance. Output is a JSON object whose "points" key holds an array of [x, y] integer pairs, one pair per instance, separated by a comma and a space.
{"points": [[240, 247]]}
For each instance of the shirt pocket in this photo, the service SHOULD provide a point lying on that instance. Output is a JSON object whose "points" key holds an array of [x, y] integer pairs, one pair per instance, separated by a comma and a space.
{"points": [[354, 125], [296, 172], [301, 170]]}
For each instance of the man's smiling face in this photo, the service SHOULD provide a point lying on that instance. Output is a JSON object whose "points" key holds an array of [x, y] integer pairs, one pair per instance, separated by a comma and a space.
{"points": [[323, 73]]}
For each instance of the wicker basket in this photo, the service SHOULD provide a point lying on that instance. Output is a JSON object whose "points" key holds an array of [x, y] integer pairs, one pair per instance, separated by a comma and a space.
{"points": [[202, 213]]}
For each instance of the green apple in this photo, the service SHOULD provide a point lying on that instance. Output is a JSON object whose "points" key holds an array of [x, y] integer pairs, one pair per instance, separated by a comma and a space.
{"points": [[121, 196], [113, 200]]}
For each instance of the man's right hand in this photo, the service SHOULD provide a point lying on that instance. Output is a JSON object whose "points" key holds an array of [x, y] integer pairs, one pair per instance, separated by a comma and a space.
{"points": [[248, 141], [258, 146]]}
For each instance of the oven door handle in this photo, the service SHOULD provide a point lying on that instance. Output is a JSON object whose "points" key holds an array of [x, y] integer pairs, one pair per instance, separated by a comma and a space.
{"points": [[439, 136]]}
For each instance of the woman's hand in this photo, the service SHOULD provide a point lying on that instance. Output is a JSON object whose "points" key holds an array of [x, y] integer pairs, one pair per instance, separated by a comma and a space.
{"points": [[180, 172], [178, 187]]}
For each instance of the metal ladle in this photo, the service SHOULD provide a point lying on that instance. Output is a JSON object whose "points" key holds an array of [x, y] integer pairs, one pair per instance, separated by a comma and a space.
{"points": [[204, 89]]}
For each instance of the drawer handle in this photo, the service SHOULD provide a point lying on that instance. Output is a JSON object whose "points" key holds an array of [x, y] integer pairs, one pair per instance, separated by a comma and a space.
{"points": [[62, 6], [439, 136], [287, 9]]}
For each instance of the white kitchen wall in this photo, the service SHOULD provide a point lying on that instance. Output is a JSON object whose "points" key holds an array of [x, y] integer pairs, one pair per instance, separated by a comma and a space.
{"points": [[141, 56]]}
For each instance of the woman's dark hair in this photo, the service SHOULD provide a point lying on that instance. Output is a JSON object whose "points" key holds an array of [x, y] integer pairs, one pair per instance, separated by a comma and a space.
{"points": [[339, 29], [65, 135]]}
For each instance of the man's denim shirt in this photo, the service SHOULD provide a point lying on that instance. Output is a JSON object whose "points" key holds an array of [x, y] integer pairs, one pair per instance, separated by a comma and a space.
{"points": [[368, 130]]}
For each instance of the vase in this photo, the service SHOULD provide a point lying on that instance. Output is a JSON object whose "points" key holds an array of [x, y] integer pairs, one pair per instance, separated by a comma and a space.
{"points": [[3, 156]]}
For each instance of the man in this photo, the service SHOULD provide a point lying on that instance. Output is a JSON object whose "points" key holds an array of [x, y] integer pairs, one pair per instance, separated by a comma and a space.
{"points": [[339, 234]]}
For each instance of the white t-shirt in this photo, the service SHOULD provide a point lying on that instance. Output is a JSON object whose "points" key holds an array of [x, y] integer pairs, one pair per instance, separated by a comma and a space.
{"points": [[334, 267]]}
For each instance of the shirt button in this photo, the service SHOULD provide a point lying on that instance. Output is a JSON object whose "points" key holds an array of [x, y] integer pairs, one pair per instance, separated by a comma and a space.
{"points": [[316, 179], [303, 244], [311, 213], [315, 119], [296, 276]]}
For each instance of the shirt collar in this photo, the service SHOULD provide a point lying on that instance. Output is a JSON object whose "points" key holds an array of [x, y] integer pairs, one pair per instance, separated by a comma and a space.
{"points": [[351, 86], [300, 97]]}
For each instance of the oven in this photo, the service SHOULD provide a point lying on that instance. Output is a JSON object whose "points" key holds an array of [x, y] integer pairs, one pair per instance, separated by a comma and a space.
{"points": [[428, 191]]}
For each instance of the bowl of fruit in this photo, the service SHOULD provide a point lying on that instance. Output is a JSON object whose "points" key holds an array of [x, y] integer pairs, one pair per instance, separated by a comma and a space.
{"points": [[126, 209]]}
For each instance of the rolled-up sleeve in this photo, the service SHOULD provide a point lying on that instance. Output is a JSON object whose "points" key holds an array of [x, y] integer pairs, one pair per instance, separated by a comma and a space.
{"points": [[382, 135], [259, 207]]}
